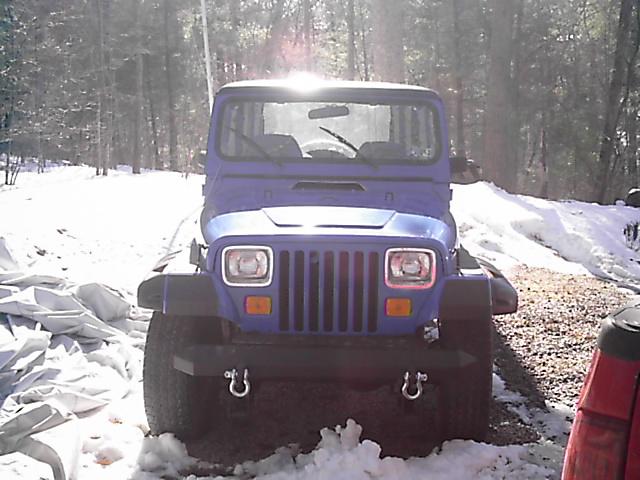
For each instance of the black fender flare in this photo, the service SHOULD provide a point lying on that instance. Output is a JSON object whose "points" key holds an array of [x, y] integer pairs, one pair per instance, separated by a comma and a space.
{"points": [[179, 294], [465, 298], [504, 297]]}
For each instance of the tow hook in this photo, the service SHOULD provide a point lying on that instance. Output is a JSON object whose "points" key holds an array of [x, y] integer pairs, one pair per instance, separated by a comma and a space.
{"points": [[420, 377], [233, 376]]}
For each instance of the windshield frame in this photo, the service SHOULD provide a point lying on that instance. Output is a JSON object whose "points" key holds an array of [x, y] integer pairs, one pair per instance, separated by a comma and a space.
{"points": [[361, 95]]}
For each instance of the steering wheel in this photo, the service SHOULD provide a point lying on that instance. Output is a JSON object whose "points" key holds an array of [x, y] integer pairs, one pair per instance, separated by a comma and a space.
{"points": [[326, 148]]}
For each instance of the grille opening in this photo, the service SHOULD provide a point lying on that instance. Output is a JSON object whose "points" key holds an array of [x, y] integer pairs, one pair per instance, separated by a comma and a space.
{"points": [[314, 290], [328, 291], [343, 292], [284, 291], [298, 299], [372, 317], [358, 290]]}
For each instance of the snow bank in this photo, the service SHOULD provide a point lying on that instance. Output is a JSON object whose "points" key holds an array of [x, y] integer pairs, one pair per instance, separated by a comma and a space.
{"points": [[69, 223], [569, 236]]}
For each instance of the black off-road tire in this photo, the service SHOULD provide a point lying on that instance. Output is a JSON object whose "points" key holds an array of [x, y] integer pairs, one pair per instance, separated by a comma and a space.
{"points": [[464, 400], [174, 401]]}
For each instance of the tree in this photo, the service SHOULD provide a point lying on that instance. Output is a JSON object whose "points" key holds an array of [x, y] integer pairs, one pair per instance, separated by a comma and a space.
{"points": [[616, 99], [459, 91], [498, 161], [388, 46], [168, 65], [351, 41], [525, 81]]}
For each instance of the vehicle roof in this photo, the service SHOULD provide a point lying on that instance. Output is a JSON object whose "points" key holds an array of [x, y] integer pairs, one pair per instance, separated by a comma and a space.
{"points": [[308, 83]]}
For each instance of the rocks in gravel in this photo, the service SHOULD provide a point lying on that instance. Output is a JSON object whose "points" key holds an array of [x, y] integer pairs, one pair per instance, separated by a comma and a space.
{"points": [[543, 351]]}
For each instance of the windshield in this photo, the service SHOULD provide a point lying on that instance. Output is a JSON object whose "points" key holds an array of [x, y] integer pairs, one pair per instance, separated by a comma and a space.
{"points": [[335, 131]]}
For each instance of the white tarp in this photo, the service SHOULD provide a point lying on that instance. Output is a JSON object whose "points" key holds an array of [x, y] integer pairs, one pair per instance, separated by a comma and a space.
{"points": [[64, 350]]}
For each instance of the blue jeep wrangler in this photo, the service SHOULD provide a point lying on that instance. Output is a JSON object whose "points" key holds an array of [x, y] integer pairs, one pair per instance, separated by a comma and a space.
{"points": [[330, 254]]}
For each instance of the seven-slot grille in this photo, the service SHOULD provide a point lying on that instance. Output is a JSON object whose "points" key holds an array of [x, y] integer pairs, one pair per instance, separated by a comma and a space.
{"points": [[328, 291]]}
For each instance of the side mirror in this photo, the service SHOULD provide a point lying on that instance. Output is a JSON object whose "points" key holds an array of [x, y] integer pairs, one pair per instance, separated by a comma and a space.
{"points": [[195, 254], [464, 170]]}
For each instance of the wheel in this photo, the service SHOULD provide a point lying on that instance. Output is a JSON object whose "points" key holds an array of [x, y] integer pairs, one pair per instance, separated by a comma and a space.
{"points": [[174, 401], [464, 400]]}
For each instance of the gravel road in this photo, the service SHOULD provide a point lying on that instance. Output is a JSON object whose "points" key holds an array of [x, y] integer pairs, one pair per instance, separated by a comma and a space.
{"points": [[544, 350]]}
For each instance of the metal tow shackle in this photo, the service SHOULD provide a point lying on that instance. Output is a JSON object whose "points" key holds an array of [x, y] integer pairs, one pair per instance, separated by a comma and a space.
{"points": [[233, 384], [420, 377]]}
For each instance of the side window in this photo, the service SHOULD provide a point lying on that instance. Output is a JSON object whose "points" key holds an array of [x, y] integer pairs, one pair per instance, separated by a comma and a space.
{"points": [[244, 118], [413, 126]]}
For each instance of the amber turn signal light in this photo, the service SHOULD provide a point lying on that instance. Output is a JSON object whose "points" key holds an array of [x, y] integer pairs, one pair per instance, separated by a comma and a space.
{"points": [[398, 307], [257, 305]]}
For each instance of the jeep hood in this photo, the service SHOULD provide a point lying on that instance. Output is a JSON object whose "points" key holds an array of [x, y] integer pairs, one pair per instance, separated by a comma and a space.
{"points": [[328, 221]]}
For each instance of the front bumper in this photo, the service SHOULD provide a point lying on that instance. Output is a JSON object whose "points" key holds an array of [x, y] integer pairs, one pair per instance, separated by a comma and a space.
{"points": [[271, 362]]}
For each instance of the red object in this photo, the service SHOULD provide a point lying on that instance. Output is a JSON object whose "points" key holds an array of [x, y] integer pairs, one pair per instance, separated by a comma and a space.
{"points": [[605, 439]]}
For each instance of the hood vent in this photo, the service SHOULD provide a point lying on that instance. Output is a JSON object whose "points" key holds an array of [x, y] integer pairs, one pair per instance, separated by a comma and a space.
{"points": [[330, 186]]}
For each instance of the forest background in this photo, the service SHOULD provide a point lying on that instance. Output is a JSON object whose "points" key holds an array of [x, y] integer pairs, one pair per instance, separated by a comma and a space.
{"points": [[544, 94]]}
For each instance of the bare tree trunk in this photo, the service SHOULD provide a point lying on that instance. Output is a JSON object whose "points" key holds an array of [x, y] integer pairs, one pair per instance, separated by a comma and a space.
{"points": [[275, 33], [351, 41], [137, 115], [437, 83], [306, 30], [207, 54], [459, 88], [238, 70], [102, 85], [576, 102], [518, 155], [39, 94], [614, 104], [109, 101], [632, 135], [157, 165], [363, 40], [498, 161], [544, 187], [221, 67], [388, 45], [168, 64]]}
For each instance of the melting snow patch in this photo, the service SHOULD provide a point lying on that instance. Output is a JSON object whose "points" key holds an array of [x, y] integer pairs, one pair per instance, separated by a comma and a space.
{"points": [[164, 455], [340, 455]]}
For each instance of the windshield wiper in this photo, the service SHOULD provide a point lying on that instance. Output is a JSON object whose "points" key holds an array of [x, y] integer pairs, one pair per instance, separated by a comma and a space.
{"points": [[346, 142], [252, 143]]}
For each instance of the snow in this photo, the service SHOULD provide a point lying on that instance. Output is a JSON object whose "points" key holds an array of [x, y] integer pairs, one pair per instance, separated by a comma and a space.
{"points": [[341, 454], [569, 236], [110, 229], [81, 244]]}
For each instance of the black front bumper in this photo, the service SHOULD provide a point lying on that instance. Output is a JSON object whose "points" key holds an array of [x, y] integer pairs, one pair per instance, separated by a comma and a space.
{"points": [[271, 362]]}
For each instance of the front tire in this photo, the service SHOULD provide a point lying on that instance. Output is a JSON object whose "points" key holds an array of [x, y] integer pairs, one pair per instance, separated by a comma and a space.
{"points": [[174, 401]]}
